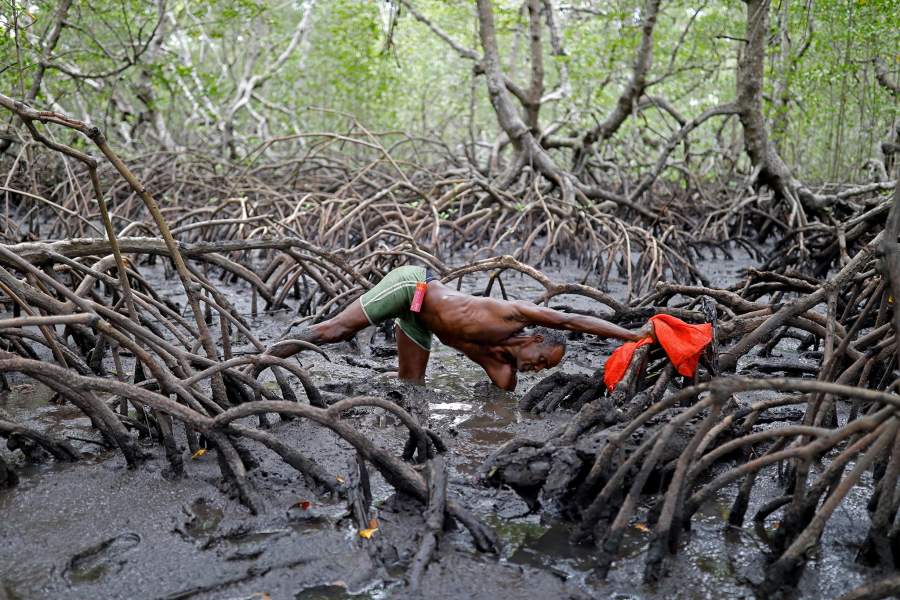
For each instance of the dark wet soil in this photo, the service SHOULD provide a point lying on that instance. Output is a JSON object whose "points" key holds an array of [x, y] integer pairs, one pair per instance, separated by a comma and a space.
{"points": [[95, 529]]}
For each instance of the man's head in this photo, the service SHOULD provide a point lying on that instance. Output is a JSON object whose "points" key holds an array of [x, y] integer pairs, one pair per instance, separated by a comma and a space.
{"points": [[543, 348]]}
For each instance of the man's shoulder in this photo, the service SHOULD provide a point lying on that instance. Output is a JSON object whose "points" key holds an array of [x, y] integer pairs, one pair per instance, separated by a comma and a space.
{"points": [[517, 309]]}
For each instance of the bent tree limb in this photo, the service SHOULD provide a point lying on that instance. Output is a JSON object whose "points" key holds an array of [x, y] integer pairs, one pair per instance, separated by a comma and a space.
{"points": [[773, 171], [434, 521], [890, 257], [81, 390], [750, 74], [29, 115]]}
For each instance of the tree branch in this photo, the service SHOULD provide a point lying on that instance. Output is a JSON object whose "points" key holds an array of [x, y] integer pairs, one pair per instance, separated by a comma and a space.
{"points": [[884, 78]]}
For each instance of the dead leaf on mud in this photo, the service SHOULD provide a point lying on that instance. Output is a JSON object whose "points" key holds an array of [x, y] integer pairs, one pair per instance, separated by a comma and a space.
{"points": [[200, 452], [367, 533]]}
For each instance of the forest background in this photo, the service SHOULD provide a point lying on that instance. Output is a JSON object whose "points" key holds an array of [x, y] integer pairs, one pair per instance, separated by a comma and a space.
{"points": [[223, 77]]}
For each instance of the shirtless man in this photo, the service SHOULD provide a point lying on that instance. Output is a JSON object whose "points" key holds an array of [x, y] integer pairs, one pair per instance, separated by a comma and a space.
{"points": [[488, 331]]}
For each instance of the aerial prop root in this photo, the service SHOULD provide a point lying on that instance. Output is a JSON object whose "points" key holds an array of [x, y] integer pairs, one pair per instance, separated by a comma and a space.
{"points": [[676, 440], [222, 427]]}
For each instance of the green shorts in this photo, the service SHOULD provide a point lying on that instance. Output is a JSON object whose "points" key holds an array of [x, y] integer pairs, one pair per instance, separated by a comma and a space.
{"points": [[391, 299]]}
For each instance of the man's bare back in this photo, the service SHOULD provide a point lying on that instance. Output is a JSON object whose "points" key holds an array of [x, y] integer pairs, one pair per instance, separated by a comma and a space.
{"points": [[484, 329], [488, 331]]}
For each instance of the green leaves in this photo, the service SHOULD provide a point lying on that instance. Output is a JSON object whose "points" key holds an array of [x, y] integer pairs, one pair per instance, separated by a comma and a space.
{"points": [[422, 86]]}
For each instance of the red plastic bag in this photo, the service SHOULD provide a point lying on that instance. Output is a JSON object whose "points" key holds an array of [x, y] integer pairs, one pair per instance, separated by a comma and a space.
{"points": [[683, 343]]}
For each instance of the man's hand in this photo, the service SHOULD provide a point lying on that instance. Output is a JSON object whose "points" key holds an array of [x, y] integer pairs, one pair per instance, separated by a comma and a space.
{"points": [[645, 332]]}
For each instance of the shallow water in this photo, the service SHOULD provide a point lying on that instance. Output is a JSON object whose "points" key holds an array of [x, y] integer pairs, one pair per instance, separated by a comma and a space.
{"points": [[97, 530]]}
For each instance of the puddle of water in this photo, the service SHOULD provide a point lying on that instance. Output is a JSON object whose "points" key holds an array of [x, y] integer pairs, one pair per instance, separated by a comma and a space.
{"points": [[364, 590], [450, 373], [24, 399], [450, 406], [205, 518], [257, 536], [549, 545], [311, 524], [514, 534], [484, 425], [30, 404], [480, 432], [8, 592], [101, 560], [336, 592]]}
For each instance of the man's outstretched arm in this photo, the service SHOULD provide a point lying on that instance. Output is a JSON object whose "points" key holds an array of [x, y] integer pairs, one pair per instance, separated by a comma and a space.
{"points": [[554, 319]]}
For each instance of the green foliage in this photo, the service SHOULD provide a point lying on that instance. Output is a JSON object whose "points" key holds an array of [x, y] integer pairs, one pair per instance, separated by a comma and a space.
{"points": [[352, 73], [834, 115]]}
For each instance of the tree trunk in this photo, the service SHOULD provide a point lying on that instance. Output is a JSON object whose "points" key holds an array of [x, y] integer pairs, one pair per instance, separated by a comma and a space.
{"points": [[773, 172], [634, 89], [528, 150]]}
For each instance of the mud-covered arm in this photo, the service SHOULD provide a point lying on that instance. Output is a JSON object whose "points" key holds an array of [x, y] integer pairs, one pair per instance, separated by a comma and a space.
{"points": [[547, 317]]}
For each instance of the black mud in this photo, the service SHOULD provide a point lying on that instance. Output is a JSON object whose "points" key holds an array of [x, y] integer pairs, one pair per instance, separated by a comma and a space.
{"points": [[95, 529]]}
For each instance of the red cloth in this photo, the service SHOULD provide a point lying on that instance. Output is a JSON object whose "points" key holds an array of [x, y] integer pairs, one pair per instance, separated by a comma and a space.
{"points": [[618, 361], [683, 343]]}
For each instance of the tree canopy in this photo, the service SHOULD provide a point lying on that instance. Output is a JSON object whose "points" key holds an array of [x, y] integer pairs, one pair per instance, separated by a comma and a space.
{"points": [[233, 74]]}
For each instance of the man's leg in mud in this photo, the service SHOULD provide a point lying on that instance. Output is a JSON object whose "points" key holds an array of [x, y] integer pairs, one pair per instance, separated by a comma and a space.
{"points": [[413, 358], [336, 329], [413, 362]]}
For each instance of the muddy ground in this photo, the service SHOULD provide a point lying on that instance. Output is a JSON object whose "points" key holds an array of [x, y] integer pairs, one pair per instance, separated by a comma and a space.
{"points": [[95, 529]]}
